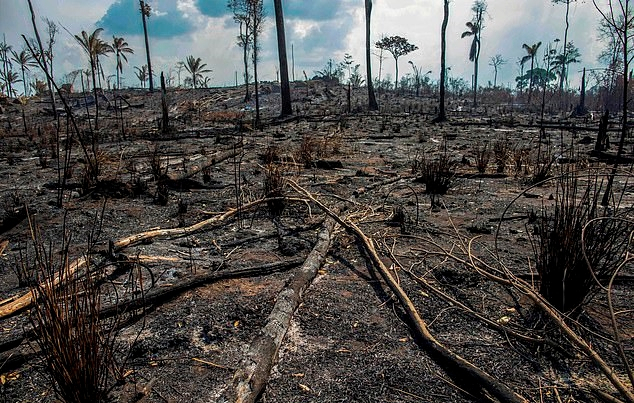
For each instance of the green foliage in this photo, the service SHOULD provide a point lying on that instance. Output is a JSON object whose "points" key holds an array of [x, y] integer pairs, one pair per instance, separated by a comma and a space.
{"points": [[537, 76], [331, 71], [196, 68], [396, 45]]}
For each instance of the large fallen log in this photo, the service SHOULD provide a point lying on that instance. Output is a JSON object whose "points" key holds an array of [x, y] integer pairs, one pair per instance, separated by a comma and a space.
{"points": [[418, 326], [255, 368], [18, 304]]}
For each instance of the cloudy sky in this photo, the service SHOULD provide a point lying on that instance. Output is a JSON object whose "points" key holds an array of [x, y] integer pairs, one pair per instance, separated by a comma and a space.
{"points": [[318, 30]]}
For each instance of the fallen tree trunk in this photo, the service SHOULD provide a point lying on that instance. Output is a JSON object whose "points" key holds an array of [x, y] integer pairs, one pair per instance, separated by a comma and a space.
{"points": [[214, 159], [162, 294], [254, 370], [492, 385], [14, 306]]}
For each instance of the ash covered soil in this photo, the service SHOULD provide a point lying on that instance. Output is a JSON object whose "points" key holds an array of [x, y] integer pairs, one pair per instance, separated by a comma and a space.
{"points": [[350, 339]]}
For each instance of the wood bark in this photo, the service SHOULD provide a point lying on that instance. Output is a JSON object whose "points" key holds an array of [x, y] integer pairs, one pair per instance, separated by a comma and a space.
{"points": [[14, 306], [254, 370], [287, 108], [418, 326]]}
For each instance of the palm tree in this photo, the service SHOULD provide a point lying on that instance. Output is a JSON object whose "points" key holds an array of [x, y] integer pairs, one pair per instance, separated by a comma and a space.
{"points": [[372, 104], [145, 13], [561, 62], [287, 108], [120, 47], [24, 60], [531, 52], [474, 51], [10, 79], [475, 27], [142, 74], [93, 46], [196, 68], [6, 63], [103, 49]]}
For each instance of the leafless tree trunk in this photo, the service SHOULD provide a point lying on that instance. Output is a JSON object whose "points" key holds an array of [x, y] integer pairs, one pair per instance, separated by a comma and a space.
{"points": [[443, 64], [287, 108], [372, 104]]}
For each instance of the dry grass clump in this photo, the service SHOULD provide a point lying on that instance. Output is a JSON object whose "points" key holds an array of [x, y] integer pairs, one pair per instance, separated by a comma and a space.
{"points": [[579, 243], [78, 348]]}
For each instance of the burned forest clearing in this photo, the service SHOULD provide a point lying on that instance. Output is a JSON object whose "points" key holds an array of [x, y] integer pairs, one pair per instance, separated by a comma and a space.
{"points": [[176, 251]]}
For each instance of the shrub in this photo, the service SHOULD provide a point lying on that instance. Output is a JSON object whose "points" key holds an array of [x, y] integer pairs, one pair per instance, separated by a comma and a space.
{"points": [[436, 173], [78, 348], [482, 156], [567, 280]]}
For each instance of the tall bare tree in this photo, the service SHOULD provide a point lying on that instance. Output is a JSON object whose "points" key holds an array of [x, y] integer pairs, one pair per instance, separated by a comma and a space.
{"points": [[442, 115], [287, 108], [242, 16], [564, 73], [256, 14], [372, 104], [619, 16], [145, 13], [495, 62], [42, 61]]}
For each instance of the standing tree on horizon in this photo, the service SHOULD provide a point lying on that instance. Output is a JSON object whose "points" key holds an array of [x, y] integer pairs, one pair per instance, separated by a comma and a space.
{"points": [[145, 13], [397, 46], [287, 108], [196, 68], [531, 53], [241, 15], [120, 47], [564, 74], [442, 115], [25, 60], [475, 27], [495, 62], [5, 50], [372, 104]]}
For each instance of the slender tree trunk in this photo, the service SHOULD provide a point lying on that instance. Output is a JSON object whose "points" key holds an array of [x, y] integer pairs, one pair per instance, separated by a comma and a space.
{"points": [[530, 84], [147, 46], [255, 68], [287, 108], [44, 64], [443, 64], [495, 78], [396, 80], [245, 56], [372, 104], [562, 78], [118, 70], [24, 82], [626, 67], [94, 91]]}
